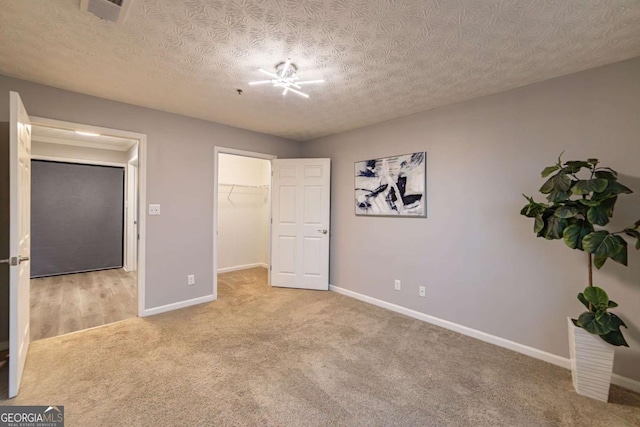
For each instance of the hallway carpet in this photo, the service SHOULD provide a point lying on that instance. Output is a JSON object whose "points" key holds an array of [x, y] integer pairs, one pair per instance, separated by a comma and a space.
{"points": [[268, 356]]}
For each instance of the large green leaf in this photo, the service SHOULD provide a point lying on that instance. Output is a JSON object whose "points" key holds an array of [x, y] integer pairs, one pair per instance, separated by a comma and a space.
{"points": [[616, 322], [557, 196], [593, 161], [608, 205], [555, 227], [588, 202], [596, 185], [631, 232], [549, 170], [532, 208], [560, 182], [583, 300], [615, 338], [609, 170], [589, 322], [538, 224], [606, 175], [566, 212], [599, 261], [601, 243], [597, 215], [615, 188], [574, 234], [574, 166], [621, 257], [597, 296]]}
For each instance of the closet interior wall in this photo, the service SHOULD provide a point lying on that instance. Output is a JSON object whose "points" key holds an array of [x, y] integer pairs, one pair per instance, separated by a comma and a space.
{"points": [[243, 212]]}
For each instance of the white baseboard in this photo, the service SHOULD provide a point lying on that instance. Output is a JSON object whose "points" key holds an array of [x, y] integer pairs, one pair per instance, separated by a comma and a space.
{"points": [[482, 336], [4, 345], [177, 305], [625, 382], [243, 267]]}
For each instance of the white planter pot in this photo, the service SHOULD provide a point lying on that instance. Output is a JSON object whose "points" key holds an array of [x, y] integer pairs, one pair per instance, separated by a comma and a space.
{"points": [[591, 363]]}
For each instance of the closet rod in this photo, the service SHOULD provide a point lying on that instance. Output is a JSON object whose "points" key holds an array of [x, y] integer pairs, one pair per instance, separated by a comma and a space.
{"points": [[233, 186], [244, 185]]}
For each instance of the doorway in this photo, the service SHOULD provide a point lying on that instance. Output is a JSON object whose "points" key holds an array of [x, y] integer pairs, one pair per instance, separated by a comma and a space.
{"points": [[299, 205], [242, 217], [85, 263]]}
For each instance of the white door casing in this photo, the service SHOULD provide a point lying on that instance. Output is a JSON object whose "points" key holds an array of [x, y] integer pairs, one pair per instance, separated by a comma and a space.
{"points": [[300, 229], [19, 239], [131, 219]]}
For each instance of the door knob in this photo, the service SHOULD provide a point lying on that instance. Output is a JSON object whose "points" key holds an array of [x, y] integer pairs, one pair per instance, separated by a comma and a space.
{"points": [[323, 231]]}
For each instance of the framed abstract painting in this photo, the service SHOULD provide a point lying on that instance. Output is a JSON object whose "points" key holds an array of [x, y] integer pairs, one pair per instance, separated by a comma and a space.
{"points": [[392, 186]]}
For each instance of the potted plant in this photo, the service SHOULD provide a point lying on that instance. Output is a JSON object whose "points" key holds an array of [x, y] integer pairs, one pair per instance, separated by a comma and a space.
{"points": [[581, 197]]}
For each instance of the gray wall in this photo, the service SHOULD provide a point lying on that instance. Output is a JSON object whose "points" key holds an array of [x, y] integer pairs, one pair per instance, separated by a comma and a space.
{"points": [[479, 259], [179, 177]]}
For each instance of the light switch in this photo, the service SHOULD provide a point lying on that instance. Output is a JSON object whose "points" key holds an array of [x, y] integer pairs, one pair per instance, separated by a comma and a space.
{"points": [[154, 209]]}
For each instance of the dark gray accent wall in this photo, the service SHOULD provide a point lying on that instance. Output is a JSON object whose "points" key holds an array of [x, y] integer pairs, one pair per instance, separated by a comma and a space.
{"points": [[77, 217]]}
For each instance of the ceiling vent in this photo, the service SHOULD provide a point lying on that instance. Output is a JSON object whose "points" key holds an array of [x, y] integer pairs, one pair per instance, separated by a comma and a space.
{"points": [[109, 10]]}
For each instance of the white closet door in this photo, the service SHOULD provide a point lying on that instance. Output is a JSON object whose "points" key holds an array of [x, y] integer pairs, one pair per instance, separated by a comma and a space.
{"points": [[300, 230]]}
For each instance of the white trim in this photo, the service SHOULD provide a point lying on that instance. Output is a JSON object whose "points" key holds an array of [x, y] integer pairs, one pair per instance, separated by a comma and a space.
{"points": [[98, 144], [482, 336], [61, 124], [4, 345], [130, 227], [216, 151], [625, 382], [142, 223], [142, 188], [80, 161], [243, 267], [177, 305]]}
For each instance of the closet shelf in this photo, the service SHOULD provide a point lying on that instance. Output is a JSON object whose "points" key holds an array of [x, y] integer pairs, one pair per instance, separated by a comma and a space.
{"points": [[234, 186]]}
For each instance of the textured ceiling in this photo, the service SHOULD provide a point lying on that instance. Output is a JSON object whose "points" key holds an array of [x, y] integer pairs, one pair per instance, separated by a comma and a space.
{"points": [[381, 59]]}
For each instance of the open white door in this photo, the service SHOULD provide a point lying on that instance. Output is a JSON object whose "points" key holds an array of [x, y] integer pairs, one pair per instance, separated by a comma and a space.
{"points": [[300, 229], [19, 240]]}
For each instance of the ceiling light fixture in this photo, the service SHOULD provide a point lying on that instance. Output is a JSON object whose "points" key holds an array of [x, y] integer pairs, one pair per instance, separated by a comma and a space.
{"points": [[286, 77], [79, 132]]}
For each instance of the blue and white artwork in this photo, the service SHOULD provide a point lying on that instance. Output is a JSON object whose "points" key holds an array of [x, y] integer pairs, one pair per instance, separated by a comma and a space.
{"points": [[392, 186]]}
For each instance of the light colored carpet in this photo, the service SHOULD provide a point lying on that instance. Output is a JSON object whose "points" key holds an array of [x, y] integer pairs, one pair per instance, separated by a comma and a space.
{"points": [[265, 356]]}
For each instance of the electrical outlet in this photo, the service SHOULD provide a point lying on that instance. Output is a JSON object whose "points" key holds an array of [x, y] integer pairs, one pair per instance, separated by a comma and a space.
{"points": [[191, 279], [396, 285], [422, 291], [154, 209]]}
